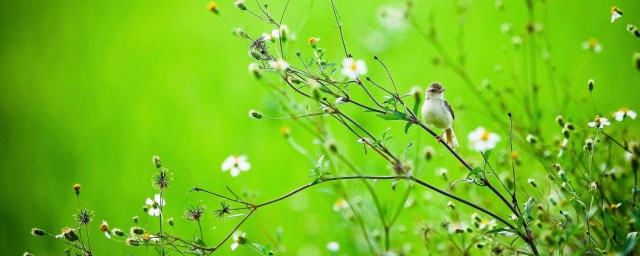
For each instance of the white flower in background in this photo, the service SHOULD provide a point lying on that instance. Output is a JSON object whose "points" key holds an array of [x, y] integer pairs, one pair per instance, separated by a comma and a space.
{"points": [[279, 64], [457, 227], [624, 112], [238, 240], [235, 164], [333, 247], [487, 224], [615, 14], [599, 122], [482, 140], [505, 28], [275, 34], [154, 205], [340, 205], [353, 68], [392, 17], [592, 44]]}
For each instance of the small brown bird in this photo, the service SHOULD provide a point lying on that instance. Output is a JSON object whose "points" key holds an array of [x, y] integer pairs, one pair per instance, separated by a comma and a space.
{"points": [[437, 112]]}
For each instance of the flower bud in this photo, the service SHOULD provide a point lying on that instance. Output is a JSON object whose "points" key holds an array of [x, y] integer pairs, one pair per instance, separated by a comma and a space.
{"points": [[117, 232], [170, 221], [255, 71], [565, 133], [285, 131], [416, 91], [428, 153], [135, 219], [569, 126], [560, 120], [531, 139], [156, 161], [240, 33], [313, 41], [443, 173], [133, 241], [76, 187], [590, 84], [37, 232], [551, 177], [145, 208], [255, 114], [137, 231], [451, 205], [240, 5], [636, 59], [633, 30], [213, 7], [588, 144], [532, 182]]}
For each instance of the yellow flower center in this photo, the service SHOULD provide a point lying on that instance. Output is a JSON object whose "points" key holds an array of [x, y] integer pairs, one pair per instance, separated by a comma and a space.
{"points": [[597, 119], [514, 155], [593, 42], [485, 136], [624, 110], [614, 9], [353, 66]]}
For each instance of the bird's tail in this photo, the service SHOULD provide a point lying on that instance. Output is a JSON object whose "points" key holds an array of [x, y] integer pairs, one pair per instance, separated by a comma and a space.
{"points": [[450, 138]]}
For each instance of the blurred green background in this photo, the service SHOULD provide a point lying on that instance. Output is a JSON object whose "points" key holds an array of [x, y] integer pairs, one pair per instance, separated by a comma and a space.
{"points": [[91, 90]]}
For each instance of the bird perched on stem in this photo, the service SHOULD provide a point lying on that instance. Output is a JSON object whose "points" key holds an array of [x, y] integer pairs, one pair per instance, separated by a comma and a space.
{"points": [[437, 112]]}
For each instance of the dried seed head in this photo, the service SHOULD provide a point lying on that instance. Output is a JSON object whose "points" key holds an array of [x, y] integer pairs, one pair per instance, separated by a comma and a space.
{"points": [[591, 83], [531, 139], [135, 218], [428, 153], [240, 5], [532, 182], [170, 221], [133, 241]]}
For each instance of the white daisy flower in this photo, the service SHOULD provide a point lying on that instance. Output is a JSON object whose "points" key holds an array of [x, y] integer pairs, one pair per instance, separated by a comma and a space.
{"points": [[238, 240], [235, 164], [279, 64], [599, 122], [333, 247], [487, 224], [340, 204], [275, 34], [154, 205], [592, 44], [457, 227], [615, 14], [353, 68], [482, 140], [624, 112]]}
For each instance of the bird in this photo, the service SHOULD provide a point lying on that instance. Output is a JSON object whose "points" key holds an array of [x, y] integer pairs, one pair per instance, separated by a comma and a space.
{"points": [[437, 112]]}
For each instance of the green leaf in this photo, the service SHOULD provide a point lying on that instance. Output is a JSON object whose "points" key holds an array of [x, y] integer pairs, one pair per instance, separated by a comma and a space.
{"points": [[500, 231], [407, 126], [487, 154], [416, 106], [389, 117], [394, 184], [234, 194], [475, 173], [629, 243]]}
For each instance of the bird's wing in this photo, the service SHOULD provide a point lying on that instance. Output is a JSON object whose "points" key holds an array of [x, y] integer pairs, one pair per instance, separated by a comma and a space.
{"points": [[446, 104]]}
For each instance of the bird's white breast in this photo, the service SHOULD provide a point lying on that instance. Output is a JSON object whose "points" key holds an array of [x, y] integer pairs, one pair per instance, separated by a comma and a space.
{"points": [[435, 113]]}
